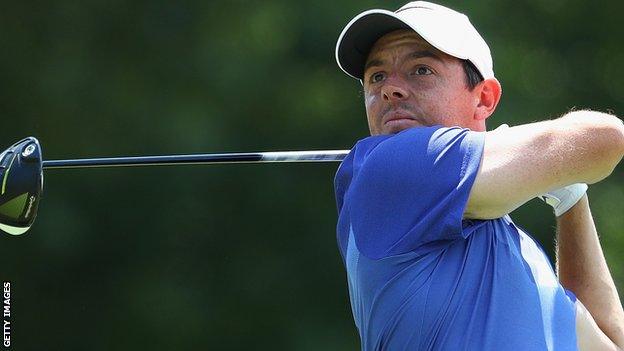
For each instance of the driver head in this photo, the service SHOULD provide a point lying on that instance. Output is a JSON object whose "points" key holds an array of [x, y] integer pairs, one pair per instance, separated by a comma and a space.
{"points": [[21, 183]]}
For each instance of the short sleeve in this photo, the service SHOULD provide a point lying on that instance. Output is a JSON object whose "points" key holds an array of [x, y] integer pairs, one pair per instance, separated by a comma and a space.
{"points": [[411, 189], [342, 183]]}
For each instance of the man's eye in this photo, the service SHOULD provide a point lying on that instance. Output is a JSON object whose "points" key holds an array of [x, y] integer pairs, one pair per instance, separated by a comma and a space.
{"points": [[377, 77], [422, 71]]}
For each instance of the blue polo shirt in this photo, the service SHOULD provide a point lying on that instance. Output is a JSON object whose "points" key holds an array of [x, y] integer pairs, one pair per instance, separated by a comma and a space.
{"points": [[420, 276]]}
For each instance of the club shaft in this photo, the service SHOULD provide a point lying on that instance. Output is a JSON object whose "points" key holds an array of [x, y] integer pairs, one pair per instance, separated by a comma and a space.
{"points": [[253, 157]]}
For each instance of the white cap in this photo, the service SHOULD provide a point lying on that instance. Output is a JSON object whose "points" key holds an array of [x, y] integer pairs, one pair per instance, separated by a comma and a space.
{"points": [[447, 30]]}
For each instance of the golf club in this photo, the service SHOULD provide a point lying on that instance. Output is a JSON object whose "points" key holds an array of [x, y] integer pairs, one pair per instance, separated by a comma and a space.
{"points": [[251, 157], [21, 173]]}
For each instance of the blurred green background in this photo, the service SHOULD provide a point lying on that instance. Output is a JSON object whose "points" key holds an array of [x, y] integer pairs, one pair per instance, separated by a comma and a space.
{"points": [[238, 257]]}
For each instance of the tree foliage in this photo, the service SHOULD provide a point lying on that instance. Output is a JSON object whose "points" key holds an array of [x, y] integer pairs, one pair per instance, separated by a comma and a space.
{"points": [[235, 257]]}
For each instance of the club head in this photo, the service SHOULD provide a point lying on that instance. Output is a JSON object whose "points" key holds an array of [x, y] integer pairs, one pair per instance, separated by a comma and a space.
{"points": [[21, 183]]}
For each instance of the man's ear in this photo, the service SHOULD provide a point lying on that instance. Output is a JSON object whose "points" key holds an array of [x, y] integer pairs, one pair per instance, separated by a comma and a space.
{"points": [[488, 94]]}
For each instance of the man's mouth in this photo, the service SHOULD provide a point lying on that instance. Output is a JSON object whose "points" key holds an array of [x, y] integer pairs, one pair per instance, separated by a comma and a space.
{"points": [[396, 117]]}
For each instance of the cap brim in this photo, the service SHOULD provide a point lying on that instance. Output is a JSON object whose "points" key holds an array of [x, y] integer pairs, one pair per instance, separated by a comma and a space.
{"points": [[359, 36]]}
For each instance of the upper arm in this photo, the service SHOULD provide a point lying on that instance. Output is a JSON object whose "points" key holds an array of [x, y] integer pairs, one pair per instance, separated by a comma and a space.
{"points": [[526, 161], [589, 337], [411, 189]]}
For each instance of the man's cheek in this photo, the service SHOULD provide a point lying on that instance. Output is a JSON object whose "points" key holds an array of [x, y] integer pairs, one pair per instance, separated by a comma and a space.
{"points": [[370, 99]]}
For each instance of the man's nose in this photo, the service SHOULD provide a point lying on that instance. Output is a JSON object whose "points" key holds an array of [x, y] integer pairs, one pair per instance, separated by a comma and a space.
{"points": [[393, 92]]}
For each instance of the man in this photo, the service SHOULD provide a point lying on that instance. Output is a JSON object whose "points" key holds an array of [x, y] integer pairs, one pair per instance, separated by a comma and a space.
{"points": [[433, 260]]}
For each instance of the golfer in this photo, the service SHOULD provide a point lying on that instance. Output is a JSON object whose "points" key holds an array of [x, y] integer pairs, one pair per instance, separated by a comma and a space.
{"points": [[433, 260]]}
